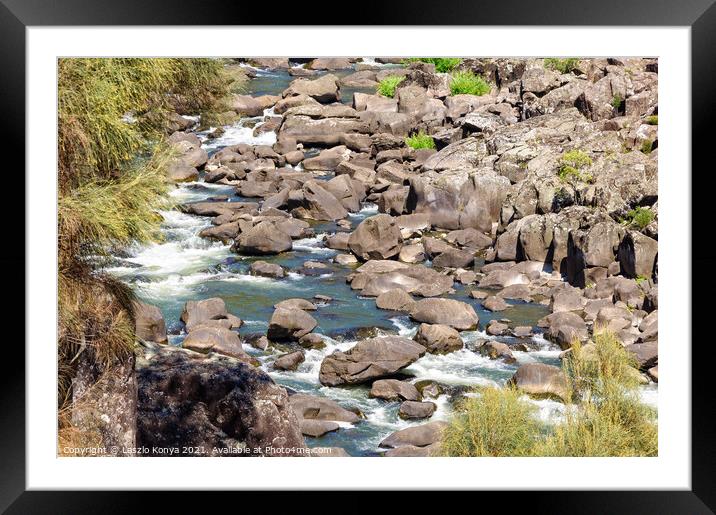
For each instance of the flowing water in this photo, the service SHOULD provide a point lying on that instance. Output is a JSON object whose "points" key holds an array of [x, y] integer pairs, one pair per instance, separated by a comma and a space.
{"points": [[186, 267]]}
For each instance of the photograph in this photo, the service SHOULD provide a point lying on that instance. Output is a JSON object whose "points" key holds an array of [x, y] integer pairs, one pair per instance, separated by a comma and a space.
{"points": [[358, 256]]}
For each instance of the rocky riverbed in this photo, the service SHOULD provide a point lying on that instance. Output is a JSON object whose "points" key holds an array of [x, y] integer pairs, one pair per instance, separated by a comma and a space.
{"points": [[345, 290]]}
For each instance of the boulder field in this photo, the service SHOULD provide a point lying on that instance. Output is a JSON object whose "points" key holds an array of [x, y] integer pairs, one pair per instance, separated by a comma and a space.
{"points": [[541, 192]]}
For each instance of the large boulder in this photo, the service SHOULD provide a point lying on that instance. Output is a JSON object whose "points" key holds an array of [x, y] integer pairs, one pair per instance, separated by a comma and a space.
{"points": [[417, 436], [320, 408], [324, 89], [396, 300], [186, 400], [370, 359], [264, 238], [377, 237], [149, 323], [416, 410], [394, 390], [453, 313], [290, 324], [565, 327], [197, 312], [209, 338], [541, 379], [438, 338], [319, 204], [416, 279], [637, 255]]}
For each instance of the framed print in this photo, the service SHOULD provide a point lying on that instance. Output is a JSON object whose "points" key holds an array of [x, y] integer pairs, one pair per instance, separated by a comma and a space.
{"points": [[442, 272]]}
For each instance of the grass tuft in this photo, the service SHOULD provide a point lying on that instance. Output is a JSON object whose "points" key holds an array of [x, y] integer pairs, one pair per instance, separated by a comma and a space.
{"points": [[647, 146], [388, 85], [572, 165], [467, 83], [420, 140], [639, 216], [442, 64], [652, 120], [565, 65]]}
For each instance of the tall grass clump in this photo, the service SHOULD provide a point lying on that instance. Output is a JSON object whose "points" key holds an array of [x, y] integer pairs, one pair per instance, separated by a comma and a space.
{"points": [[639, 216], [561, 65], [388, 85], [572, 166], [442, 64], [112, 116], [420, 140], [466, 82], [498, 422], [605, 416]]}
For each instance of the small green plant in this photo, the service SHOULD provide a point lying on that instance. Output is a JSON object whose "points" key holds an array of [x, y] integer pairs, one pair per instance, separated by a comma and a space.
{"points": [[617, 102], [640, 279], [572, 166], [420, 140], [388, 85], [652, 120], [639, 216], [565, 65], [467, 83], [442, 64], [647, 146]]}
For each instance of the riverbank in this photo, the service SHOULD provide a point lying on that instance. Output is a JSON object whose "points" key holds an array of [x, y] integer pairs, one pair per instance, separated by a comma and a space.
{"points": [[527, 214]]}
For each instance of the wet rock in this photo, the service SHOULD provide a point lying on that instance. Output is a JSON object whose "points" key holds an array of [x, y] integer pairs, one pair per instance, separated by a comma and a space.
{"points": [[396, 300], [290, 324], [494, 303], [522, 331], [303, 304], [178, 171], [196, 312], [314, 407], [394, 390], [454, 258], [346, 259], [377, 237], [370, 359], [317, 428], [497, 350], [454, 313], [414, 253], [149, 323], [438, 339], [417, 436], [496, 328], [205, 339], [264, 238], [325, 89], [224, 232], [312, 341], [416, 410], [188, 400], [264, 269], [541, 379], [289, 361], [416, 279]]}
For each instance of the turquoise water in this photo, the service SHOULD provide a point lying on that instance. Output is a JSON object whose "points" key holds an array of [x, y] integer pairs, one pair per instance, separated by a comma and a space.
{"points": [[186, 267]]}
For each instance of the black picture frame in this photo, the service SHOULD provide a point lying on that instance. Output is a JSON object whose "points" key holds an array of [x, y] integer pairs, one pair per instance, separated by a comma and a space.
{"points": [[699, 15]]}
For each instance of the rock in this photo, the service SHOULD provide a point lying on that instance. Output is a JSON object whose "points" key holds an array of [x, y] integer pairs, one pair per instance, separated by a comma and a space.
{"points": [[503, 278], [646, 354], [321, 131], [438, 338], [454, 258], [178, 171], [303, 304], [566, 299], [377, 237], [416, 410], [496, 328], [329, 63], [260, 343], [324, 89], [290, 324], [224, 232], [264, 269], [294, 101], [346, 259], [396, 300], [653, 373], [494, 350], [412, 253], [470, 238], [246, 105], [418, 436], [522, 331], [320, 408], [394, 390], [311, 341], [516, 292], [205, 339], [637, 255], [338, 241], [196, 312], [493, 303], [149, 323], [370, 359], [327, 160], [454, 313], [264, 238], [348, 192], [186, 400], [541, 379], [319, 204], [416, 279], [411, 451], [316, 428], [565, 327], [289, 361], [649, 326]]}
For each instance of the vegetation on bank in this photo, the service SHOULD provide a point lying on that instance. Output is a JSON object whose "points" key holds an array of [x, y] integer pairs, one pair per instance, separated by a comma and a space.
{"points": [[562, 65], [388, 85], [605, 416], [639, 216], [442, 64], [112, 114], [467, 83], [420, 140], [652, 120]]}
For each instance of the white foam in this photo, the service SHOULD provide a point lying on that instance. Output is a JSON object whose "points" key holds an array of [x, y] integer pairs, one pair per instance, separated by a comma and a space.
{"points": [[237, 133]]}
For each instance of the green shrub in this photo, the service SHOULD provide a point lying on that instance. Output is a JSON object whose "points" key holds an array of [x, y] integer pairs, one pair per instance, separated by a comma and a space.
{"points": [[442, 64], [652, 120], [420, 140], [647, 146], [498, 422], [617, 102], [466, 82], [572, 166], [565, 65], [388, 85], [639, 216]]}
